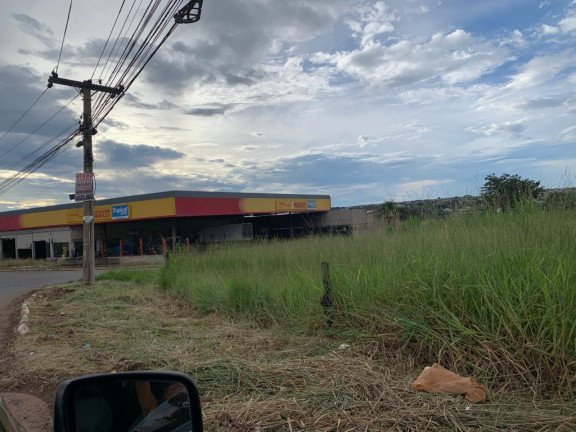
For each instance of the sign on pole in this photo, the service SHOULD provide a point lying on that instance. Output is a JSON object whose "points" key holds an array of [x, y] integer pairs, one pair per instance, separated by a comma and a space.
{"points": [[84, 187]]}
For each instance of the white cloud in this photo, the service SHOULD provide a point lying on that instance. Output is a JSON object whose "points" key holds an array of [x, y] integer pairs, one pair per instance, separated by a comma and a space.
{"points": [[453, 58], [568, 24], [428, 188], [374, 20], [549, 30], [540, 70], [508, 127]]}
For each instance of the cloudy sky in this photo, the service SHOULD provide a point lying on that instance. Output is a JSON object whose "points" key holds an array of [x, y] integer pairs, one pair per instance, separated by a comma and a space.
{"points": [[366, 101]]}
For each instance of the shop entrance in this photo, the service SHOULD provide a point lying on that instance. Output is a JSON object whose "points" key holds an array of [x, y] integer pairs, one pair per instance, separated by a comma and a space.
{"points": [[9, 248], [40, 251]]}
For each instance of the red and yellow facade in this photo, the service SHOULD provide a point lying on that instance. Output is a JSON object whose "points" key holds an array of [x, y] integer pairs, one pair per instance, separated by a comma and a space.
{"points": [[166, 205]]}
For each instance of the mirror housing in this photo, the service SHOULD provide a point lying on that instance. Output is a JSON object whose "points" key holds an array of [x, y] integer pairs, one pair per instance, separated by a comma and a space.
{"points": [[67, 407]]}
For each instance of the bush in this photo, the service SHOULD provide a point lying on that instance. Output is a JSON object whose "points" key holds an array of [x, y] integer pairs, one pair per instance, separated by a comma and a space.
{"points": [[560, 200], [506, 191]]}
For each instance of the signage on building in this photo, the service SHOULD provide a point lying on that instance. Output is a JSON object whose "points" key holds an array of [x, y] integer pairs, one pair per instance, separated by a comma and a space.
{"points": [[295, 205], [102, 213], [121, 212], [84, 187]]}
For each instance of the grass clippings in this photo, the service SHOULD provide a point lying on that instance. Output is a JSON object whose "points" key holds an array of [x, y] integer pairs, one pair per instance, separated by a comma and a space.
{"points": [[250, 378]]}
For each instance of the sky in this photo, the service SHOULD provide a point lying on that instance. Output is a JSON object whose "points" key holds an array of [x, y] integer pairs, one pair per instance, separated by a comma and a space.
{"points": [[366, 101]]}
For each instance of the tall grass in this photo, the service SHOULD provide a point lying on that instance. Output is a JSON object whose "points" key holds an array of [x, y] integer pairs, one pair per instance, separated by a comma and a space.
{"points": [[494, 294]]}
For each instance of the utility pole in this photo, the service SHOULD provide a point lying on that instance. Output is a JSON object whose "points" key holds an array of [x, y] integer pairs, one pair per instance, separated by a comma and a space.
{"points": [[188, 14], [87, 87]]}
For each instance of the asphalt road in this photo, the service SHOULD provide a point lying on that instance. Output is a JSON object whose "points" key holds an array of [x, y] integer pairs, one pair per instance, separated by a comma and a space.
{"points": [[14, 284]]}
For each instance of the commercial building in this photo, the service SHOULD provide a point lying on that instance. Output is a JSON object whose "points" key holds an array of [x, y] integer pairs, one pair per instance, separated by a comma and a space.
{"points": [[153, 223]]}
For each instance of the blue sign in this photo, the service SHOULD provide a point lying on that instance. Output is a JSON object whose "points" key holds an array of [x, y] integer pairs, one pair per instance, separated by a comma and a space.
{"points": [[311, 205], [120, 212]]}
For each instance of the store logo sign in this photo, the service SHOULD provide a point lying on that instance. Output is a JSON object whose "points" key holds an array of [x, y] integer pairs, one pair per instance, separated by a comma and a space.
{"points": [[120, 212]]}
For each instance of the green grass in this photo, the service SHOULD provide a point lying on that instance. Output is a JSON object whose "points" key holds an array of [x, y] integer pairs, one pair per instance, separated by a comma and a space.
{"points": [[129, 275], [491, 294]]}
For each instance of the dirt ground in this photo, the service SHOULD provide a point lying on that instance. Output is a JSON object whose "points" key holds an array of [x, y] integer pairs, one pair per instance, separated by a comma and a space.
{"points": [[32, 405], [32, 413], [251, 378]]}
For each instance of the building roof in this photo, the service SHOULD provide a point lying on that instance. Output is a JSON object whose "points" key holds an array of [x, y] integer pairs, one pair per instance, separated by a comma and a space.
{"points": [[168, 204]]}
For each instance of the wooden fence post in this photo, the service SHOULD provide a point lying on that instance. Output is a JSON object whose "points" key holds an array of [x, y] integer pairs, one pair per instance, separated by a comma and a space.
{"points": [[327, 300]]}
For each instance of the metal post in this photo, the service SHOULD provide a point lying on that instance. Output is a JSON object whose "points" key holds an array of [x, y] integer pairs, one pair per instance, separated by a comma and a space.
{"points": [[88, 225]]}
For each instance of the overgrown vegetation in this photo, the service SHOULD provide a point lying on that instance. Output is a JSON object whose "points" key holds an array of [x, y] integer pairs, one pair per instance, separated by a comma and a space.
{"points": [[250, 378], [493, 295]]}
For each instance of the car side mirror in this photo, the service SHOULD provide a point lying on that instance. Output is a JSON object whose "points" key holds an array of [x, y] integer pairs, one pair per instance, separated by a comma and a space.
{"points": [[128, 402]]}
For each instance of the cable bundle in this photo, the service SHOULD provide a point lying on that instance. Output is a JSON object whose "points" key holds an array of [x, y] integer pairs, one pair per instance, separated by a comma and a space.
{"points": [[136, 41]]}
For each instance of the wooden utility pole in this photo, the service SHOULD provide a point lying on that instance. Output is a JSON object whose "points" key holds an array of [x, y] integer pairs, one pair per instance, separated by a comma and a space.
{"points": [[87, 87]]}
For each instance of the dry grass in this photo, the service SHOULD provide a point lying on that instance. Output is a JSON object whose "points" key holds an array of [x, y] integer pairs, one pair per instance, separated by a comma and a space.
{"points": [[250, 378]]}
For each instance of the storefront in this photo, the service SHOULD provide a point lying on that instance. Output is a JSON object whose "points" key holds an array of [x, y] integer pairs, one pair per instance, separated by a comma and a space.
{"points": [[153, 223]]}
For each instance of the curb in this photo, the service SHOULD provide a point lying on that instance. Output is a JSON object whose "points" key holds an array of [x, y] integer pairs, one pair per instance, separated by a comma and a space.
{"points": [[23, 327]]}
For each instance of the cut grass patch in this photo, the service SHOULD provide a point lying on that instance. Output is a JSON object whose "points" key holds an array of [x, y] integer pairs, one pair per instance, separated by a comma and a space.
{"points": [[250, 378], [130, 275]]}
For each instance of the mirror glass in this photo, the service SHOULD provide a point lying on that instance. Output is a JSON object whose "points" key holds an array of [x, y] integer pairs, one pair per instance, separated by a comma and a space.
{"points": [[132, 406]]}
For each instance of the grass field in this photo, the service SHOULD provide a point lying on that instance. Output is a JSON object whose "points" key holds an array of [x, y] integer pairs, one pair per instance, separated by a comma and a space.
{"points": [[492, 295], [250, 378]]}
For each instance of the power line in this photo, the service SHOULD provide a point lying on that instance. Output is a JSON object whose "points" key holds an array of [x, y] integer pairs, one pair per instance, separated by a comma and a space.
{"points": [[114, 51], [136, 54], [68, 130], [17, 178], [38, 128], [64, 37], [108, 40], [22, 116], [144, 53]]}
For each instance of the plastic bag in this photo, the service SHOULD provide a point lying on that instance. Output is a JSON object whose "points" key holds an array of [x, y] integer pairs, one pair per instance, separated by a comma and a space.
{"points": [[436, 379]]}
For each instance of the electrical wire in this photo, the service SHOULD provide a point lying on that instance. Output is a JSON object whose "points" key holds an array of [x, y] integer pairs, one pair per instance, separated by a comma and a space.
{"points": [[24, 114], [150, 34], [144, 53], [66, 131], [17, 178], [38, 128], [103, 115], [113, 52], [109, 36], [64, 37]]}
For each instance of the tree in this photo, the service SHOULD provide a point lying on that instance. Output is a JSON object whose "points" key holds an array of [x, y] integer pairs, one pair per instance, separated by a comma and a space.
{"points": [[391, 212], [506, 191]]}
